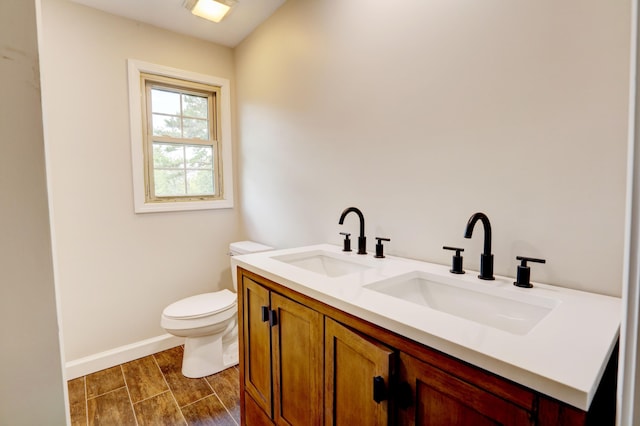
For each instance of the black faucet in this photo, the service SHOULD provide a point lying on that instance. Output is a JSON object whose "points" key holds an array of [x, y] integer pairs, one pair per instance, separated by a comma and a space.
{"points": [[362, 240], [486, 258]]}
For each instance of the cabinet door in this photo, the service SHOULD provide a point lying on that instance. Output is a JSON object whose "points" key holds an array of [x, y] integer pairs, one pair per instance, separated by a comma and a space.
{"points": [[352, 363], [429, 396], [297, 342], [254, 415], [257, 344]]}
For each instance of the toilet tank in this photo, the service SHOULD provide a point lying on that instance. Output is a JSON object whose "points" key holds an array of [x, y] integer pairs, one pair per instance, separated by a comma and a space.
{"points": [[246, 247], [243, 247]]}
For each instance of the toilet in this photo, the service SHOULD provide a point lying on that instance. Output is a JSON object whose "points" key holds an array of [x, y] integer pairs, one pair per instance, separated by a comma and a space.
{"points": [[208, 322]]}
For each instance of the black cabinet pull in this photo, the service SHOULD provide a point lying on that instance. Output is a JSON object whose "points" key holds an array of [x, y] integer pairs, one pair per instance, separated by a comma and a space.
{"points": [[265, 313], [379, 389], [273, 318]]}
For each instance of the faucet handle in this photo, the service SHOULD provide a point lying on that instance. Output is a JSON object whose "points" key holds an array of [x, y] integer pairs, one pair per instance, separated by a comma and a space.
{"points": [[380, 247], [346, 246], [456, 267], [529, 259], [524, 272]]}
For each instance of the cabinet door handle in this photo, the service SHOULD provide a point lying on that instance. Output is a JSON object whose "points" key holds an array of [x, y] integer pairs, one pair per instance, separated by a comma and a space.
{"points": [[379, 389], [273, 318], [265, 313]]}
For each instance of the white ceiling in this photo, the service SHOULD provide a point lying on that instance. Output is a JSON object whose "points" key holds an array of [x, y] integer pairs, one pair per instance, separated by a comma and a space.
{"points": [[171, 15]]}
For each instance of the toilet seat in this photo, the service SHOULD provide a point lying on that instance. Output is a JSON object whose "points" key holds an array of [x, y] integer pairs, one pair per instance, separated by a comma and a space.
{"points": [[201, 305]]}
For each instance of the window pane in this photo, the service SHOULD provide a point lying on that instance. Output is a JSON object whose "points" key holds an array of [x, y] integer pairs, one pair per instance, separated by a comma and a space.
{"points": [[200, 182], [166, 126], [195, 106], [199, 157], [169, 183], [195, 128], [167, 155], [165, 102]]}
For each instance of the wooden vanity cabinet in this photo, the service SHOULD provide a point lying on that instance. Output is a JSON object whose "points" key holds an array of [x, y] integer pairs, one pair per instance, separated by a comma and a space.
{"points": [[357, 377], [283, 357], [303, 362], [429, 396], [297, 371], [257, 345]]}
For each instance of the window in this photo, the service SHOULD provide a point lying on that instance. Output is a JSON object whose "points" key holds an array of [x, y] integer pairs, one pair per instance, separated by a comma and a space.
{"points": [[181, 147], [180, 140]]}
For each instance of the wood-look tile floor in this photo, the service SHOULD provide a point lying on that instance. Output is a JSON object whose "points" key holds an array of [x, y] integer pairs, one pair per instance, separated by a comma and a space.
{"points": [[153, 391]]}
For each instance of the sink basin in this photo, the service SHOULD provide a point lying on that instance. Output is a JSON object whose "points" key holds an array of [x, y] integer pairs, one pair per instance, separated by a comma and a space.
{"points": [[514, 313], [323, 263]]}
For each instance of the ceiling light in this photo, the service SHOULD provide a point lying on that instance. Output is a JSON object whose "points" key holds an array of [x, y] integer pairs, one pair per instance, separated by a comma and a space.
{"points": [[213, 10]]}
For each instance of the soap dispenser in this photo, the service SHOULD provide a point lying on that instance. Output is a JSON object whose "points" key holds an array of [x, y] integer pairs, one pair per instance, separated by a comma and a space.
{"points": [[523, 278]]}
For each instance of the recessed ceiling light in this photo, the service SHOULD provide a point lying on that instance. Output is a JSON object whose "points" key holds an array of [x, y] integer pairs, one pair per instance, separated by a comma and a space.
{"points": [[213, 10]]}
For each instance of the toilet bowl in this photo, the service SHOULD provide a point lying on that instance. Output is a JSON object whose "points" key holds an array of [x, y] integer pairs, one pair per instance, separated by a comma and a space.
{"points": [[208, 322]]}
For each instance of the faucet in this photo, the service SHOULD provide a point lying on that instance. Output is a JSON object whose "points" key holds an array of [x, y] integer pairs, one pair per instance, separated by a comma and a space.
{"points": [[486, 258], [362, 240]]}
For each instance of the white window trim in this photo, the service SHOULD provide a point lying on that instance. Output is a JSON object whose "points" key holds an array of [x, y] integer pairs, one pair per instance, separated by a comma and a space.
{"points": [[136, 118]]}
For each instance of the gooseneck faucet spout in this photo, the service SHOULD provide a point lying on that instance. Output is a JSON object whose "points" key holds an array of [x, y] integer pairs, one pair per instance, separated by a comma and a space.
{"points": [[486, 258], [362, 240]]}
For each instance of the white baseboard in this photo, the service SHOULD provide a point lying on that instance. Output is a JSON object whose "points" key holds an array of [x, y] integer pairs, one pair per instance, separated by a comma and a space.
{"points": [[96, 362]]}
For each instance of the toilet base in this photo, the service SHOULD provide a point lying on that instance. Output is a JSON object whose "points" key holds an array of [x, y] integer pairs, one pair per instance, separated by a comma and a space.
{"points": [[230, 355], [207, 355]]}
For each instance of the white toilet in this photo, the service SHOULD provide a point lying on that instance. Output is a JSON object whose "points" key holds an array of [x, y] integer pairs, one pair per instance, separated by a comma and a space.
{"points": [[209, 323]]}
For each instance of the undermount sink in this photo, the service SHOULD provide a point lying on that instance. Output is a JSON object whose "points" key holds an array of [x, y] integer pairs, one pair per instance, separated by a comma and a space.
{"points": [[321, 262], [514, 313]]}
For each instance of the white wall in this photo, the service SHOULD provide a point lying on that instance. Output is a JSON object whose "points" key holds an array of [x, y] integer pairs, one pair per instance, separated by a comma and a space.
{"points": [[425, 112], [118, 270], [31, 382]]}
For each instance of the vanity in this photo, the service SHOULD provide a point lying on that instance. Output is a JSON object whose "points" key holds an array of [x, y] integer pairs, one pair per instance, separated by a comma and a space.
{"points": [[328, 337]]}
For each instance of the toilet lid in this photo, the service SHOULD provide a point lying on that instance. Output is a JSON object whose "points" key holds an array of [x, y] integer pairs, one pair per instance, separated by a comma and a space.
{"points": [[201, 305]]}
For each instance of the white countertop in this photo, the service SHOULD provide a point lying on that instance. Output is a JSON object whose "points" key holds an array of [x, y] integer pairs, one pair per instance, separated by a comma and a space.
{"points": [[562, 356]]}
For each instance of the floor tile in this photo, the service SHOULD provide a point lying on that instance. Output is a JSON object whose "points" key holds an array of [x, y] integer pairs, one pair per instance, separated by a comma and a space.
{"points": [[159, 410], [170, 360], [76, 390], [112, 408], [226, 384], [184, 389], [77, 401], [78, 414], [207, 412], [144, 378], [104, 381]]}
